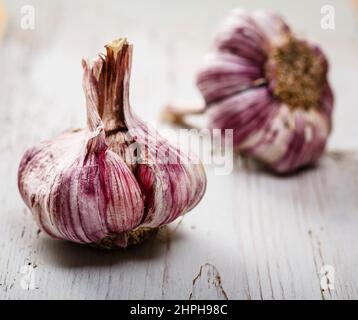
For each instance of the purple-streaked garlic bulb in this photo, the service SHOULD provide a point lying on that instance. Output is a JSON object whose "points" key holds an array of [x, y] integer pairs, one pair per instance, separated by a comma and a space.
{"points": [[115, 182], [271, 88]]}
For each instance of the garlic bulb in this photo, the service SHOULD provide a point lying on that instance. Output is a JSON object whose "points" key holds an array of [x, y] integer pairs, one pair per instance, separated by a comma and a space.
{"points": [[270, 87], [115, 182]]}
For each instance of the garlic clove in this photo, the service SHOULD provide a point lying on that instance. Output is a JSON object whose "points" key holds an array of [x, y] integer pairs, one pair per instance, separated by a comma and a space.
{"points": [[245, 113], [239, 34], [39, 170], [173, 182], [290, 140], [228, 74], [305, 141], [274, 28]]}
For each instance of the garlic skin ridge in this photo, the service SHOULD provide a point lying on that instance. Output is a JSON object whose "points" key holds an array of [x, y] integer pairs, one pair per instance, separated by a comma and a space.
{"points": [[83, 187], [271, 88]]}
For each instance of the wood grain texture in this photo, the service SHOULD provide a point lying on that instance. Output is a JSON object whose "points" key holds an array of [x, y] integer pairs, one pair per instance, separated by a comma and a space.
{"points": [[267, 238], [254, 235]]}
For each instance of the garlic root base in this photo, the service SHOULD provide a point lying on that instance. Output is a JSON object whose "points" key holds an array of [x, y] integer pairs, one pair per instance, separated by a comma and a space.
{"points": [[133, 238]]}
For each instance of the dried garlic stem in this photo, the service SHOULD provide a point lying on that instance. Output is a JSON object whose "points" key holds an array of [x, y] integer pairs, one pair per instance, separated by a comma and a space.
{"points": [[132, 238], [176, 114]]}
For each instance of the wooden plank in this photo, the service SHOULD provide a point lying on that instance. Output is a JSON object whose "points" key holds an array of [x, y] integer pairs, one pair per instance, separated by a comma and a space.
{"points": [[267, 239]]}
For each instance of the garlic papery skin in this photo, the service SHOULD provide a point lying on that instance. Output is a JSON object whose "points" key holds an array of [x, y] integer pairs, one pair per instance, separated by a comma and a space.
{"points": [[271, 88], [115, 182]]}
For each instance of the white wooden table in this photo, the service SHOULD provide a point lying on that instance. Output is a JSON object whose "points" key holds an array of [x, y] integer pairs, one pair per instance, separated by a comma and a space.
{"points": [[253, 236]]}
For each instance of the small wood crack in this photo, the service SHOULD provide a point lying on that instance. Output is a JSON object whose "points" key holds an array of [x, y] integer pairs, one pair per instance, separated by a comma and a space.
{"points": [[207, 284], [166, 262], [317, 253]]}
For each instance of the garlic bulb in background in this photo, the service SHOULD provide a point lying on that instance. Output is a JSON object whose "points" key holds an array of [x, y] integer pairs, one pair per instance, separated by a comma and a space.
{"points": [[115, 182], [270, 87]]}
